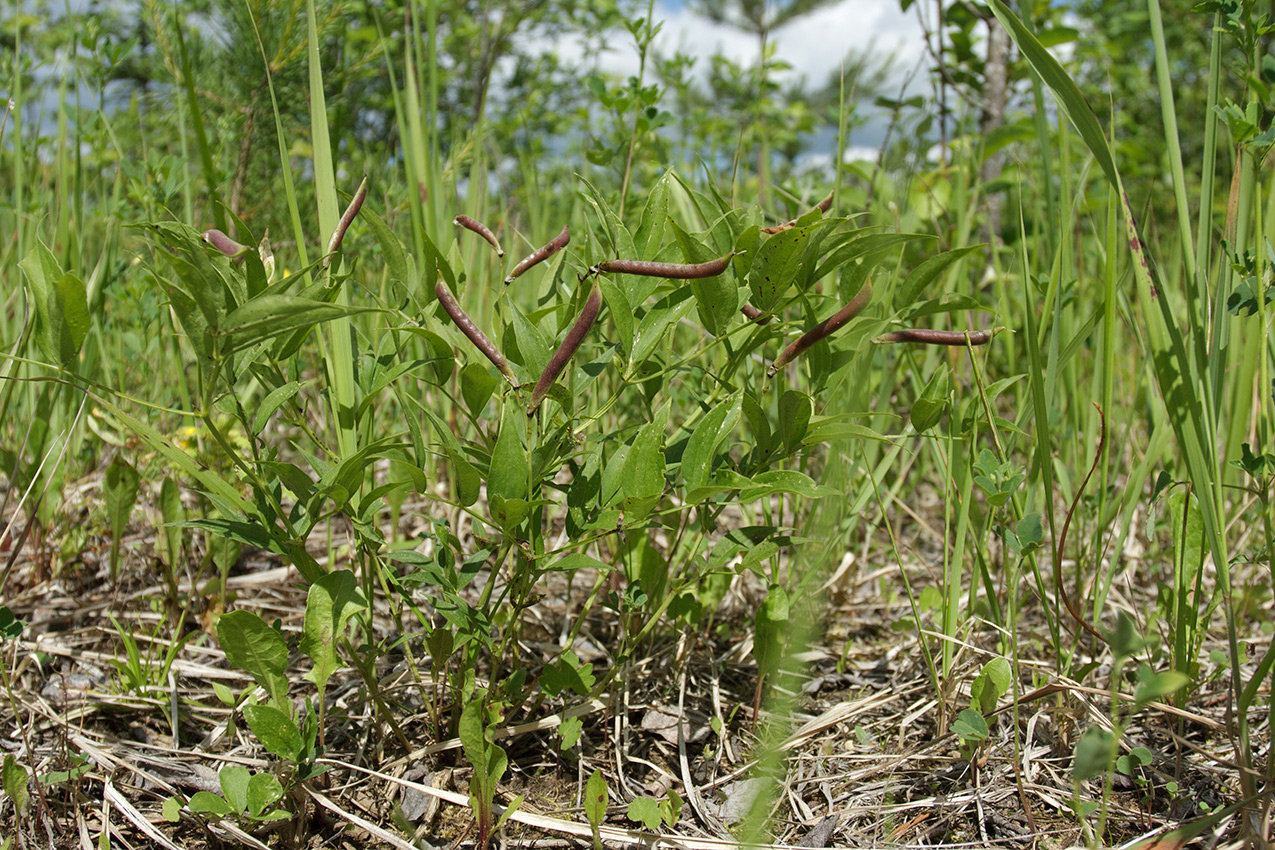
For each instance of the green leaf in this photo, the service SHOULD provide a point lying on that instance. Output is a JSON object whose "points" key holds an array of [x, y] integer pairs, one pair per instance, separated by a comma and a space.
{"points": [[925, 274], [257, 649], [775, 265], [785, 481], [716, 297], [14, 778], [970, 726], [1152, 685], [578, 561], [621, 313], [263, 791], [643, 476], [1094, 753], [794, 418], [701, 448], [990, 685], [510, 473], [596, 798], [568, 674], [119, 492], [569, 729], [477, 384], [397, 262], [468, 478], [770, 627], [271, 314], [1126, 638], [650, 232], [61, 306], [330, 603], [276, 731], [525, 345], [671, 808], [234, 786], [1030, 533], [10, 626], [646, 811], [275, 399], [208, 803], [653, 328], [470, 730], [170, 506], [172, 809]]}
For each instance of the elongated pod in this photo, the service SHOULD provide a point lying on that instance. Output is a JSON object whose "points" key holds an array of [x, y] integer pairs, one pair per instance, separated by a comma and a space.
{"points": [[754, 314], [822, 330], [929, 337], [823, 206], [481, 229], [539, 255], [224, 243], [675, 271], [472, 331], [575, 337], [347, 218]]}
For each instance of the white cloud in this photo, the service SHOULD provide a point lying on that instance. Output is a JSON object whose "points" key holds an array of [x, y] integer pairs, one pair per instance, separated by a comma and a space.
{"points": [[814, 45]]}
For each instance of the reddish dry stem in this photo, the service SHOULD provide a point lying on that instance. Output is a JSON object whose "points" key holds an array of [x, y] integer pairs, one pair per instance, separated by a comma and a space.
{"points": [[674, 271], [224, 243], [575, 337], [481, 229], [347, 218], [825, 328], [472, 331], [754, 314], [823, 206], [540, 254], [930, 337]]}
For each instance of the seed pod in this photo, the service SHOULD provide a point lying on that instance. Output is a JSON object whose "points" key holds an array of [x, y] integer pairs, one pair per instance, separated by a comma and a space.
{"points": [[823, 206], [347, 218], [472, 331], [575, 337], [555, 245], [929, 337], [481, 229], [224, 243], [821, 330], [674, 271], [754, 314]]}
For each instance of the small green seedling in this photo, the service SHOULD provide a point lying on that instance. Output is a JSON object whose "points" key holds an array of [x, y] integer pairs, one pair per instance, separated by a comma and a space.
{"points": [[596, 798], [244, 795], [653, 813]]}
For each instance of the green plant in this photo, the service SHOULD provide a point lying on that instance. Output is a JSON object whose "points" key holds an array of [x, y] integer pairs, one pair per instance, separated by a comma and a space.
{"points": [[259, 649], [244, 795], [476, 729], [596, 798], [652, 812]]}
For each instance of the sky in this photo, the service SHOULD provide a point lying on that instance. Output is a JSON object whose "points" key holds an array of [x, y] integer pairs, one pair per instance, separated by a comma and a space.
{"points": [[814, 45]]}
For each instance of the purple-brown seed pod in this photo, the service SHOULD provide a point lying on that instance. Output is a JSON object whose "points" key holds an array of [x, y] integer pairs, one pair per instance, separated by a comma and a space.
{"points": [[821, 330], [481, 229], [754, 314], [540, 254], [472, 331], [929, 337], [823, 206], [575, 337], [674, 271], [347, 218], [224, 243]]}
